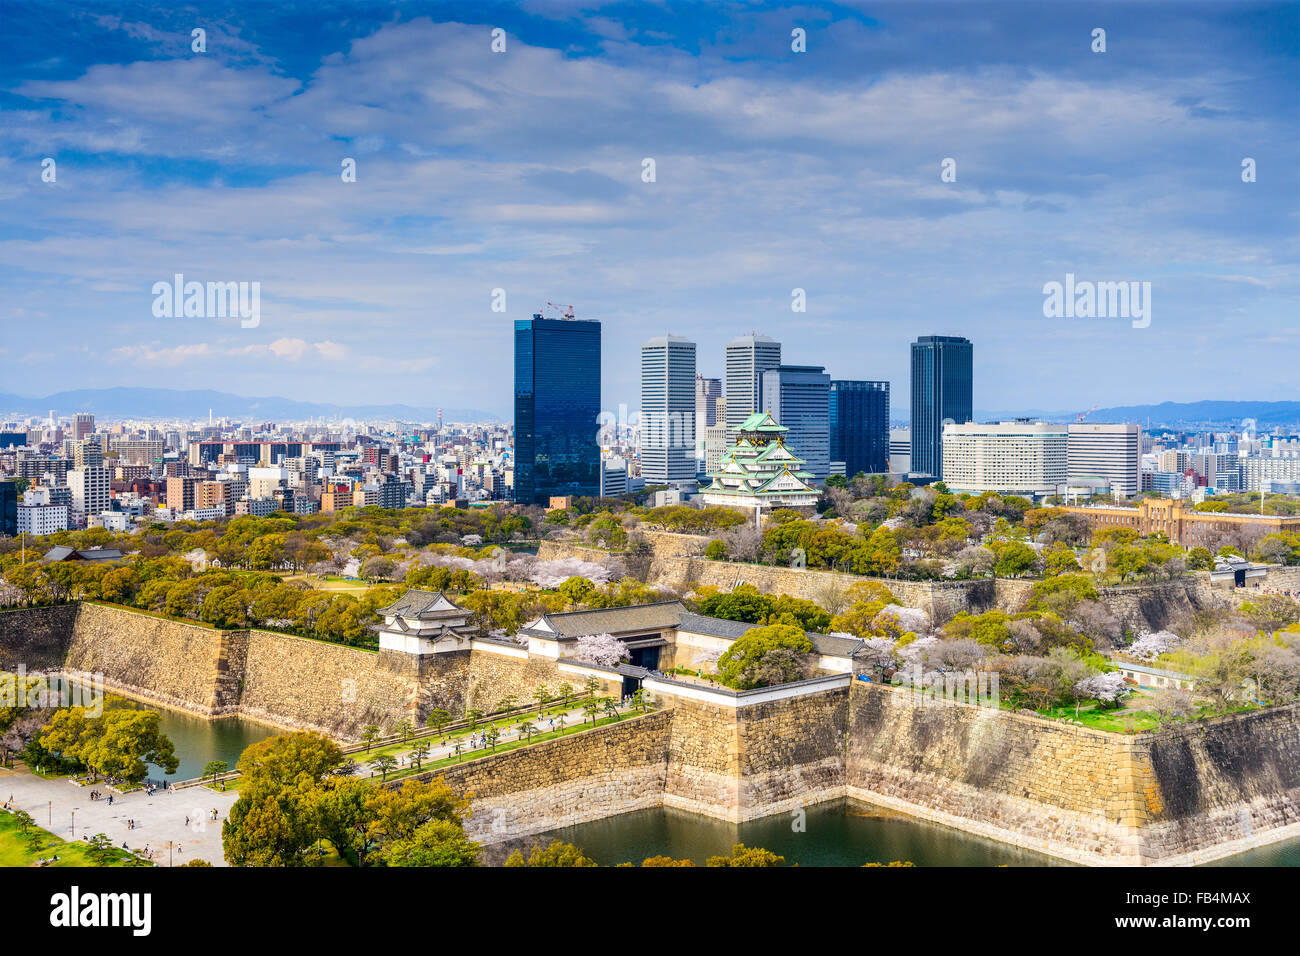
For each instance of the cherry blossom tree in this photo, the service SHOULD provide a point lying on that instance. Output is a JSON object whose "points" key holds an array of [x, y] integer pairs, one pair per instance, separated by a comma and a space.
{"points": [[604, 650], [1150, 646], [1107, 688]]}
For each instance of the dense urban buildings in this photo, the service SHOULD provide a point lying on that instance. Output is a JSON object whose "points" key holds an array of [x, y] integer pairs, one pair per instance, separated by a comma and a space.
{"points": [[668, 410], [798, 397], [557, 408], [747, 358], [1023, 458], [859, 425], [942, 391]]}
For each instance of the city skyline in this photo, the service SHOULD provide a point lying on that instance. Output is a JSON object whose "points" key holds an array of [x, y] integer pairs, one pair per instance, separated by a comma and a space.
{"points": [[775, 171]]}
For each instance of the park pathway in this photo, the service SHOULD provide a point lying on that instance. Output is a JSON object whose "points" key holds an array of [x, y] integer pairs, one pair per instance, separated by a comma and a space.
{"points": [[160, 817]]}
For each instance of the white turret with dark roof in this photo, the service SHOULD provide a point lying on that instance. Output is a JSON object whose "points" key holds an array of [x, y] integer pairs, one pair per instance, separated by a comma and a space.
{"points": [[424, 622]]}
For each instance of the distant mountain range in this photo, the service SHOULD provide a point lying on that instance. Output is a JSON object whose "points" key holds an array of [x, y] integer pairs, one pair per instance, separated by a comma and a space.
{"points": [[173, 403], [1176, 414]]}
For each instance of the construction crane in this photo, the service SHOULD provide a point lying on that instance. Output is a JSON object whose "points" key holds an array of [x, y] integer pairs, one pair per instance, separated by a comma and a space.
{"points": [[566, 311], [1083, 415]]}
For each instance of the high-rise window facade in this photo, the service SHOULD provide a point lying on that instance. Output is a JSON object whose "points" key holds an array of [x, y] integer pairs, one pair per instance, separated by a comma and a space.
{"points": [[557, 407], [798, 397], [748, 357], [668, 393], [859, 424], [1113, 452], [942, 391]]}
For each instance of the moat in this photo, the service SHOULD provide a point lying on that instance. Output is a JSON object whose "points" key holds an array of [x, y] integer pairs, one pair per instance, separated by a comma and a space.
{"points": [[198, 740], [839, 833]]}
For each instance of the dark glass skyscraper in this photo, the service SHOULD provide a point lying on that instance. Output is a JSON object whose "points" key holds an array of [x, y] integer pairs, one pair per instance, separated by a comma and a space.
{"points": [[8, 508], [860, 426], [942, 390], [797, 397], [557, 407]]}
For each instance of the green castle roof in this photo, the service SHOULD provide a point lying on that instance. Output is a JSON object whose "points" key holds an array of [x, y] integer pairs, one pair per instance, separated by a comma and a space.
{"points": [[762, 422]]}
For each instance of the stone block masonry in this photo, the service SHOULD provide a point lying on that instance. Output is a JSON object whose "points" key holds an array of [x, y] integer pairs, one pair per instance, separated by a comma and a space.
{"points": [[1191, 794], [36, 637], [1194, 793], [612, 769], [290, 682], [742, 756], [168, 662], [301, 684]]}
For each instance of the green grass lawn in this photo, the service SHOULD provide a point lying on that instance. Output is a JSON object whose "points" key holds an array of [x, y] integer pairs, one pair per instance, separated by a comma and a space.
{"points": [[1115, 721], [15, 850]]}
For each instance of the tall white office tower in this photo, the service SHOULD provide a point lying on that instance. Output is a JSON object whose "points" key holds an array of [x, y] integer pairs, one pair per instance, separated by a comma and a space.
{"points": [[668, 410], [748, 357]]}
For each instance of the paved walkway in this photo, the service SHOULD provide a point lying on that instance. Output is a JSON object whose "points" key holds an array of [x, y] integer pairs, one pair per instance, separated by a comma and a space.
{"points": [[573, 719], [162, 816], [158, 818]]}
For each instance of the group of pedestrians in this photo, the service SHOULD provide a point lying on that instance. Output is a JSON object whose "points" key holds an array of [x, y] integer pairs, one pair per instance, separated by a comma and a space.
{"points": [[96, 795]]}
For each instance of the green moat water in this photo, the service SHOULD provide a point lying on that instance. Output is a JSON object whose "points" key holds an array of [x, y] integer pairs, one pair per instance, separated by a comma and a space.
{"points": [[837, 833], [843, 833], [198, 740]]}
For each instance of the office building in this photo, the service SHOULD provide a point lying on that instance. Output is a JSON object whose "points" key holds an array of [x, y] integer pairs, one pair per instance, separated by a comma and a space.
{"points": [[798, 397], [748, 357], [1113, 452], [900, 451], [668, 392], [83, 426], [1020, 458], [942, 392], [8, 509], [707, 393], [714, 444], [859, 426], [557, 408], [613, 477]]}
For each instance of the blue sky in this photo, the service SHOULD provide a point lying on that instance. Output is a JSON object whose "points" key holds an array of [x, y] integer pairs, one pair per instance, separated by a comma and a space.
{"points": [[774, 171]]}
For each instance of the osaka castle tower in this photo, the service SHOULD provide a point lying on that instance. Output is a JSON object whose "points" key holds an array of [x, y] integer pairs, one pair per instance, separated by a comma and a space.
{"points": [[759, 471]]}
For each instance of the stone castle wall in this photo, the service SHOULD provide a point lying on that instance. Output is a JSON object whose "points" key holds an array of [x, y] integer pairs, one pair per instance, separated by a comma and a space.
{"points": [[291, 682], [1187, 795], [36, 637], [1190, 794], [301, 684], [1048, 786], [1219, 786], [173, 663], [557, 783]]}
